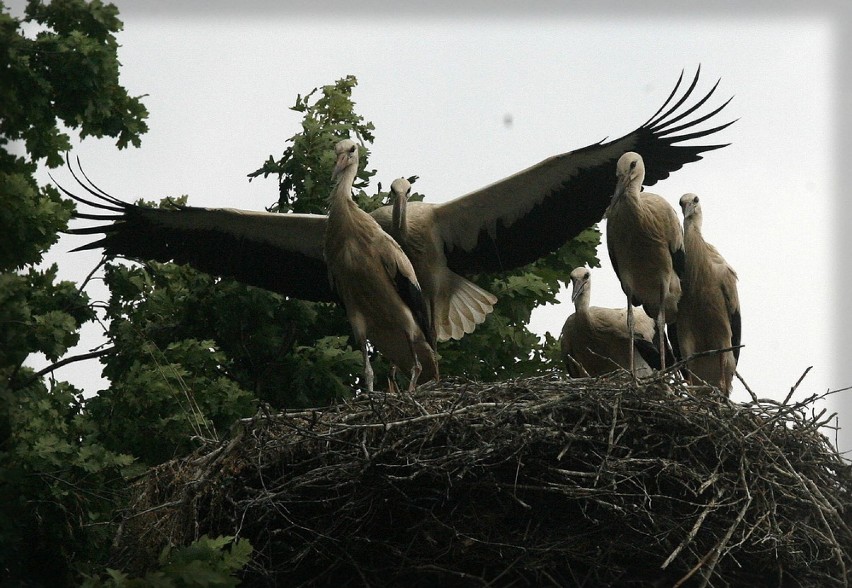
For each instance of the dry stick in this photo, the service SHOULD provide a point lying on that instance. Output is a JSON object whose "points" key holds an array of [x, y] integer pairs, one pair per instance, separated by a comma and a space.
{"points": [[694, 531], [816, 496], [577, 364], [713, 555], [610, 438], [799, 381], [88, 278], [749, 390]]}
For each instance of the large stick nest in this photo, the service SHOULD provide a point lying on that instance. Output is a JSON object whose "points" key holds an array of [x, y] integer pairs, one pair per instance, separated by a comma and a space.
{"points": [[543, 481]]}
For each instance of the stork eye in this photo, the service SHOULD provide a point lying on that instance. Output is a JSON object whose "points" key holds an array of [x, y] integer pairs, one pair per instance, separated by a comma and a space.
{"points": [[633, 164], [695, 200], [587, 276], [352, 149]]}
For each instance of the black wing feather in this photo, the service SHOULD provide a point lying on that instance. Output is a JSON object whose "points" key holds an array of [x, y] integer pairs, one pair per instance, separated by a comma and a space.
{"points": [[736, 333], [143, 233], [581, 199], [412, 296]]}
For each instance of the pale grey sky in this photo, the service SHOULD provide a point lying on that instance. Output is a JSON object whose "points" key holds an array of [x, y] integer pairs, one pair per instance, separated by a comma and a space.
{"points": [[437, 86]]}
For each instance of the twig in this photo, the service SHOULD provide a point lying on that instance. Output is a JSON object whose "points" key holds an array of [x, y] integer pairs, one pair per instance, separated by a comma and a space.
{"points": [[62, 363]]}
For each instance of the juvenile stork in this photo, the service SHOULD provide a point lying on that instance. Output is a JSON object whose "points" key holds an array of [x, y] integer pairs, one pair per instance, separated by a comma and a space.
{"points": [[456, 305], [497, 228], [375, 280], [645, 244], [709, 311], [595, 340]]}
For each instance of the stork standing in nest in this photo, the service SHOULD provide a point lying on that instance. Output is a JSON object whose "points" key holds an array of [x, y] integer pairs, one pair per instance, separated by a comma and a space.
{"points": [[375, 281], [645, 244], [456, 305], [709, 310], [595, 340]]}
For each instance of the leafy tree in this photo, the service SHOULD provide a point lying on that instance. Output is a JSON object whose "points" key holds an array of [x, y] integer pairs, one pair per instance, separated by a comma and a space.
{"points": [[204, 563], [57, 482]]}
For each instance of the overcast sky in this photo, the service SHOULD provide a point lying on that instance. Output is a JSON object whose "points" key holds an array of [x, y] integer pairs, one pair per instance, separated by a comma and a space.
{"points": [[439, 88]]}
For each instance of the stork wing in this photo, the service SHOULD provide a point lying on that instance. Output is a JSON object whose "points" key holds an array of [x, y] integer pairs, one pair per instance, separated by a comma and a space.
{"points": [[278, 252], [412, 296], [526, 216], [732, 302]]}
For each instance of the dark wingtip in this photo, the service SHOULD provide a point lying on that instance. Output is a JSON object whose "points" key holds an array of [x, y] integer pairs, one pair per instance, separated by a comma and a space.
{"points": [[661, 139]]}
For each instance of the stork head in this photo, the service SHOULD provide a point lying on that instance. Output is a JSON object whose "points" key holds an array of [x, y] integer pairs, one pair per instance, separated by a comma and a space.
{"points": [[400, 191], [347, 155], [581, 281], [629, 173], [400, 188], [691, 208]]}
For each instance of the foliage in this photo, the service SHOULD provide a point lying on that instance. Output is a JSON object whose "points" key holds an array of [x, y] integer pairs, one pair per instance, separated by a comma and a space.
{"points": [[304, 170], [204, 563], [58, 484], [69, 72], [194, 353]]}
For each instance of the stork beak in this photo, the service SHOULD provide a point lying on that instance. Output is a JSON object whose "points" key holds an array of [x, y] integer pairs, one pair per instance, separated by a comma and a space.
{"points": [[578, 289], [619, 188], [342, 160], [399, 207]]}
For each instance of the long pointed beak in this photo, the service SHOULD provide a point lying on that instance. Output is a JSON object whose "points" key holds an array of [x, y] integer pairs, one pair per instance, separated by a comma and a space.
{"points": [[399, 208], [619, 188], [340, 165], [578, 289]]}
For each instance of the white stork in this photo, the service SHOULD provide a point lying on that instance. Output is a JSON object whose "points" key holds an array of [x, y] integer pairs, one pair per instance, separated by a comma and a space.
{"points": [[645, 244], [500, 227], [595, 340], [456, 305], [708, 315], [375, 280]]}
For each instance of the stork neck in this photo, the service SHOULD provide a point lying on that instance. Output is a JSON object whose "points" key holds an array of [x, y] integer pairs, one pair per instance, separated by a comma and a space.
{"points": [[629, 194], [632, 191], [342, 192], [581, 302], [693, 222]]}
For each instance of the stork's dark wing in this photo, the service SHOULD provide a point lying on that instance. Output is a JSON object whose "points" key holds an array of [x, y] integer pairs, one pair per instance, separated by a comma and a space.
{"points": [[526, 216], [412, 296], [650, 350], [278, 252]]}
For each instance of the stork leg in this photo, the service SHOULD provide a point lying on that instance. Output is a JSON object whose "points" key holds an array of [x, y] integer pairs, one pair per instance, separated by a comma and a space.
{"points": [[630, 326], [392, 387], [661, 324], [661, 327], [415, 369], [368, 369]]}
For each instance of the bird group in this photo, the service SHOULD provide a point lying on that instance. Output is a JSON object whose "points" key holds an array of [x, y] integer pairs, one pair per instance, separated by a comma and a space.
{"points": [[402, 272], [681, 282]]}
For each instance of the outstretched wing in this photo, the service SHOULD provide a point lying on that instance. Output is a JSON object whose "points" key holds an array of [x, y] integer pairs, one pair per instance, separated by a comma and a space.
{"points": [[526, 216], [278, 252]]}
